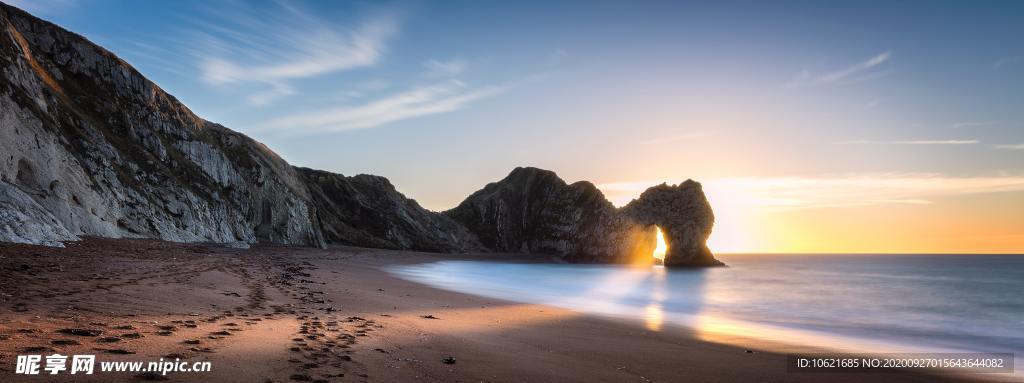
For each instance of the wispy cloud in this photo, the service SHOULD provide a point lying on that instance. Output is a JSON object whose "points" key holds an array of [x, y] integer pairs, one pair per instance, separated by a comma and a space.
{"points": [[287, 43], [786, 193], [42, 6], [1007, 61], [307, 54], [858, 72], [915, 142], [1010, 146], [449, 68], [556, 57], [419, 101], [972, 124], [277, 90], [679, 137]]}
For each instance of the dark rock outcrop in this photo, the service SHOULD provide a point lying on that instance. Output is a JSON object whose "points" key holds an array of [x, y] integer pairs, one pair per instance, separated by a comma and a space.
{"points": [[366, 210], [534, 211], [90, 147]]}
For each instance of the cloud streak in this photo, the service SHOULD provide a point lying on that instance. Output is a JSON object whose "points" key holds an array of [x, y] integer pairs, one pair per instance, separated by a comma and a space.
{"points": [[275, 47], [972, 124], [915, 142], [42, 6], [857, 72], [438, 69], [1007, 61], [1010, 147], [789, 193], [688, 136], [419, 101]]}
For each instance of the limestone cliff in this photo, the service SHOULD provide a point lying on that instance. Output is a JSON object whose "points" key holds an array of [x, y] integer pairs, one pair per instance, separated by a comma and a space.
{"points": [[106, 152], [91, 147]]}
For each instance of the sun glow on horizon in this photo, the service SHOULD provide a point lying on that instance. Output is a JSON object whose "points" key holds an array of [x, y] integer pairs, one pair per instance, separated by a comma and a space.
{"points": [[881, 213], [732, 206]]}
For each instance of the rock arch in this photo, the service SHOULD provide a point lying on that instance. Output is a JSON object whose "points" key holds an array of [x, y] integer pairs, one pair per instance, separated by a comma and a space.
{"points": [[684, 216]]}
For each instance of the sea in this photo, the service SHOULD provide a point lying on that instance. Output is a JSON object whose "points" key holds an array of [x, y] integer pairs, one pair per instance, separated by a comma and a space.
{"points": [[860, 303]]}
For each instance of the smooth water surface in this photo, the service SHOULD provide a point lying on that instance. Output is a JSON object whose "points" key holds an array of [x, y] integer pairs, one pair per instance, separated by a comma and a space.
{"points": [[865, 303]]}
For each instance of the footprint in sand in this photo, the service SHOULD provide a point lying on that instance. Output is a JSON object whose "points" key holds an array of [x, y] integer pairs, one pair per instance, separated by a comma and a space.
{"points": [[80, 332], [116, 351]]}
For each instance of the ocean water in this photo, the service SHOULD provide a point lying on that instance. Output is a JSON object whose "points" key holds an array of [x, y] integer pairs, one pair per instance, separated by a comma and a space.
{"points": [[856, 303]]}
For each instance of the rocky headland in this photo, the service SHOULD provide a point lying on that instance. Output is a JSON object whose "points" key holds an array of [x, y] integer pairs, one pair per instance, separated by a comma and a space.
{"points": [[90, 147], [534, 211]]}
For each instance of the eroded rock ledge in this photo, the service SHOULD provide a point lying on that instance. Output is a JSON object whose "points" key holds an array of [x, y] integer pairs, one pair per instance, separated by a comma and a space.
{"points": [[90, 147]]}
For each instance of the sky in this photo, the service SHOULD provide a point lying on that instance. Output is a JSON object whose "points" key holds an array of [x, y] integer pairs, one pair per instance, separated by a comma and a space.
{"points": [[840, 126]]}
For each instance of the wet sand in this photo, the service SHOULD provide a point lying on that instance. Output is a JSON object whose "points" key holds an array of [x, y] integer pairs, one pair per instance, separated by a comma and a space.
{"points": [[291, 314]]}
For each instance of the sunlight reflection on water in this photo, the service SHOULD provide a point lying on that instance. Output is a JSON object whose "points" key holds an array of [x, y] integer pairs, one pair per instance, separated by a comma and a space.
{"points": [[653, 312]]}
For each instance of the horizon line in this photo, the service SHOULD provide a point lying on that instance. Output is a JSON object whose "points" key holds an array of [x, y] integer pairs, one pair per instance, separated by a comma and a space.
{"points": [[859, 253]]}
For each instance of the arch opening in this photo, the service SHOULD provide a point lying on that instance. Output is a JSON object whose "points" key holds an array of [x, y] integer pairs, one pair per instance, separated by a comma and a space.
{"points": [[660, 247]]}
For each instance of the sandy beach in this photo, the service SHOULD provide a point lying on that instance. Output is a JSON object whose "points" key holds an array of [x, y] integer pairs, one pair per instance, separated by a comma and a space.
{"points": [[280, 314]]}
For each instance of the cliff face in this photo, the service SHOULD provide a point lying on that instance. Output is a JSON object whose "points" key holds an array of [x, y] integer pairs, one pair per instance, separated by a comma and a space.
{"points": [[90, 147], [534, 211], [106, 152]]}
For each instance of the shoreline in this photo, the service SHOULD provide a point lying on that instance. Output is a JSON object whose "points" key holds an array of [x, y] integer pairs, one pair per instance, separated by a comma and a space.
{"points": [[302, 314]]}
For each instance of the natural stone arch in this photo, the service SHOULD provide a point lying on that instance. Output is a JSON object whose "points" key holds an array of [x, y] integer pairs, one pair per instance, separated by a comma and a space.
{"points": [[684, 216]]}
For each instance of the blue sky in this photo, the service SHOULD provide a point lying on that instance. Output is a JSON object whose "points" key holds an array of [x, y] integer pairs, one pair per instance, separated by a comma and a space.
{"points": [[792, 102]]}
